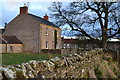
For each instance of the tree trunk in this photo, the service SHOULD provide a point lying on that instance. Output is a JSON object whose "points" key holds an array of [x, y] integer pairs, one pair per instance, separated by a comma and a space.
{"points": [[105, 28], [104, 38]]}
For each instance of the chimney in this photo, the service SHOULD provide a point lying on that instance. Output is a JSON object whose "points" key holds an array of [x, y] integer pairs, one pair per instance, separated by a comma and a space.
{"points": [[46, 17], [24, 9]]}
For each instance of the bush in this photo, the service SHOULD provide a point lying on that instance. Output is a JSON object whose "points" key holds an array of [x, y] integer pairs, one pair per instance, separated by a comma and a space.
{"points": [[51, 51]]}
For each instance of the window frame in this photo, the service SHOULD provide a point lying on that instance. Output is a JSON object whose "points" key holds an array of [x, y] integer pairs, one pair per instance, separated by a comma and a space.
{"points": [[11, 48], [53, 32], [57, 33], [46, 45], [46, 30]]}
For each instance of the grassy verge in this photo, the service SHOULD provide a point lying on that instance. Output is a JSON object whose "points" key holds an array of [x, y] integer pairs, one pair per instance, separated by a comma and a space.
{"points": [[9, 59]]}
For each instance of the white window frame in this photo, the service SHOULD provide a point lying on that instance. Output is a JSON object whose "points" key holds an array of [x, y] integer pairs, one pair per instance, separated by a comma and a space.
{"points": [[57, 47], [53, 33], [57, 34], [46, 30], [11, 48], [68, 45], [46, 45], [75, 45]]}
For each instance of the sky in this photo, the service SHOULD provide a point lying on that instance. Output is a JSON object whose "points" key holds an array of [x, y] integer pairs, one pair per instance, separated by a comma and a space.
{"points": [[9, 9]]}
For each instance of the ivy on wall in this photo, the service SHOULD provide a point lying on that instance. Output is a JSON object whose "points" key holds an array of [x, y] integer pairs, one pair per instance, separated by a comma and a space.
{"points": [[55, 37]]}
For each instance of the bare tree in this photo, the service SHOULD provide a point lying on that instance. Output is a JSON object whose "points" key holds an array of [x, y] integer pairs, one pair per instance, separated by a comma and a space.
{"points": [[86, 17]]}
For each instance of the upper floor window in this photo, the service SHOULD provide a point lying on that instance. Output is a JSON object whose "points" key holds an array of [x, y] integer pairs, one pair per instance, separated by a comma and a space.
{"points": [[46, 30], [53, 32], [57, 34]]}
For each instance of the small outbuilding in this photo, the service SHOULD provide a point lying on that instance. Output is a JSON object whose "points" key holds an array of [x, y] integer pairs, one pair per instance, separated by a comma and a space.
{"points": [[10, 44]]}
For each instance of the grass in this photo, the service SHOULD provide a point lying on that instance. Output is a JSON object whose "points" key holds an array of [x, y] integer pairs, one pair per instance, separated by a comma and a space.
{"points": [[12, 58]]}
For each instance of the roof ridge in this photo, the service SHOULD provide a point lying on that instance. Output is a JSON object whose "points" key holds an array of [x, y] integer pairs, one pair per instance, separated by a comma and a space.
{"points": [[42, 20]]}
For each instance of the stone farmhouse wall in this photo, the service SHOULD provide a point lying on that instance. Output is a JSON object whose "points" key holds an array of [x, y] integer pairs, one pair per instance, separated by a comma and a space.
{"points": [[27, 34], [50, 37], [72, 66]]}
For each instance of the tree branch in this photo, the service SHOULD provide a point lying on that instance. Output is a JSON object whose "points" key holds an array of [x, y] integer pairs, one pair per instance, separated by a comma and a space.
{"points": [[113, 35]]}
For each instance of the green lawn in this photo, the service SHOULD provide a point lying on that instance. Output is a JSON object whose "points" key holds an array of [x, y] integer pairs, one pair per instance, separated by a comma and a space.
{"points": [[10, 58]]}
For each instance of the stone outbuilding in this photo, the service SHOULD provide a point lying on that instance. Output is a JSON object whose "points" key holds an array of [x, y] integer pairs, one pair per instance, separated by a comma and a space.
{"points": [[10, 44]]}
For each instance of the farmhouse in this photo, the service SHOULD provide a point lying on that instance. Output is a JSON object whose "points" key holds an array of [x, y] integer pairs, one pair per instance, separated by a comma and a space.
{"points": [[34, 32]]}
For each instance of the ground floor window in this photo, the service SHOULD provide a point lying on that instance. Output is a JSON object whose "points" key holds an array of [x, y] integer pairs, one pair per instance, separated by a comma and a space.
{"points": [[57, 46], [11, 47], [46, 44]]}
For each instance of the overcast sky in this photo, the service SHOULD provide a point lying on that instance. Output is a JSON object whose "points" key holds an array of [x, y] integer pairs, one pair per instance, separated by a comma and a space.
{"points": [[10, 9]]}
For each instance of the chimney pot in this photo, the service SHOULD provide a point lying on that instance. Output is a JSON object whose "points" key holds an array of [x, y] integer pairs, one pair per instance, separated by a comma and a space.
{"points": [[24, 10], [46, 17]]}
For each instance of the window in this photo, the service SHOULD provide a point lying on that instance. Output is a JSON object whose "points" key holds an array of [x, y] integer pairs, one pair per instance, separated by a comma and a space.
{"points": [[46, 44], [75, 45], [11, 47], [68, 45], [46, 30], [53, 32], [57, 47], [57, 34], [64, 45]]}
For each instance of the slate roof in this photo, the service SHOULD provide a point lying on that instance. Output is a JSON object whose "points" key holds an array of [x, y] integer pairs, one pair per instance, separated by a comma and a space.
{"points": [[117, 42], [43, 20], [2, 41], [72, 41], [11, 39], [87, 41]]}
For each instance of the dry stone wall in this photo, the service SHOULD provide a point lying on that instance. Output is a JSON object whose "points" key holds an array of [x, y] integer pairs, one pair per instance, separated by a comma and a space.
{"points": [[72, 66]]}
